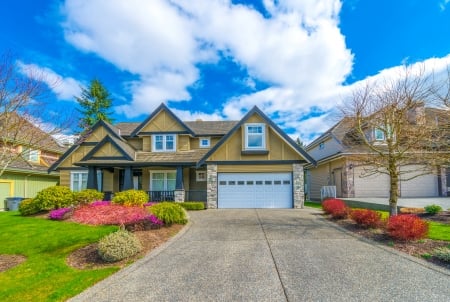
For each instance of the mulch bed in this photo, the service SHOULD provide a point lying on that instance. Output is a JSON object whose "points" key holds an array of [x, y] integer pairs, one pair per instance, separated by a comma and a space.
{"points": [[414, 248], [9, 261]]}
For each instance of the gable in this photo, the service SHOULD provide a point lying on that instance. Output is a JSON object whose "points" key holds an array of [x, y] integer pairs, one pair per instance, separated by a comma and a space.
{"points": [[163, 122], [279, 146], [110, 148]]}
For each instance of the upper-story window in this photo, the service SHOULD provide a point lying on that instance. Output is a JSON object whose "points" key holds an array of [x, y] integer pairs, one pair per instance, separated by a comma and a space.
{"points": [[30, 154], [164, 142], [378, 134], [255, 137], [321, 146], [205, 142]]}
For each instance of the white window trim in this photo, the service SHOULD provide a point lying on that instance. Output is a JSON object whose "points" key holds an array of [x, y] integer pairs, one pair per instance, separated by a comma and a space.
{"points": [[263, 134], [200, 139], [165, 182], [99, 180], [198, 177], [27, 152], [164, 143], [375, 135]]}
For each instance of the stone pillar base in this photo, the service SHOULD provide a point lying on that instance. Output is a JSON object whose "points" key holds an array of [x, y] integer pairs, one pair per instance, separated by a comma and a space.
{"points": [[179, 195]]}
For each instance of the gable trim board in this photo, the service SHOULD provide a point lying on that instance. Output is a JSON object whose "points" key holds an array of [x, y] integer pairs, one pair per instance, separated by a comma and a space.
{"points": [[103, 142]]}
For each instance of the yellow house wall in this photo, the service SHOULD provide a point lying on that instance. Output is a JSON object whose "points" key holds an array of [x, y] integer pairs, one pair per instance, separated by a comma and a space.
{"points": [[162, 122], [97, 135], [76, 156], [254, 168], [108, 150], [64, 178], [108, 181], [136, 143]]}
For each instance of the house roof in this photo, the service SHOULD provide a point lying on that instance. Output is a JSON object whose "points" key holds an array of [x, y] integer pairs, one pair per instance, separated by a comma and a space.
{"points": [[126, 128], [21, 165], [210, 128], [237, 126]]}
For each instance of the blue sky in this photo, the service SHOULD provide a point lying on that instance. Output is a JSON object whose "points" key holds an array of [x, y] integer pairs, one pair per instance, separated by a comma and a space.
{"points": [[211, 59]]}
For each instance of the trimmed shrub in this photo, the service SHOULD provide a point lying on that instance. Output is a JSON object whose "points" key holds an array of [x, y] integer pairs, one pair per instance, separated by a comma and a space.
{"points": [[169, 212], [433, 209], [442, 253], [366, 218], [192, 206], [87, 196], [336, 208], [131, 198], [60, 214], [407, 227], [118, 245], [28, 207], [54, 197]]}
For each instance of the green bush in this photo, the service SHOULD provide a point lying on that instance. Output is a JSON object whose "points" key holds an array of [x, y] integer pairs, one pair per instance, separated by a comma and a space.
{"points": [[131, 198], [54, 197], [28, 207], [118, 245], [192, 205], [169, 213], [87, 196], [442, 253], [433, 209]]}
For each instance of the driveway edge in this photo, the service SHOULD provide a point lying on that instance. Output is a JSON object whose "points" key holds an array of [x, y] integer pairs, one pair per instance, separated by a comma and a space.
{"points": [[387, 248]]}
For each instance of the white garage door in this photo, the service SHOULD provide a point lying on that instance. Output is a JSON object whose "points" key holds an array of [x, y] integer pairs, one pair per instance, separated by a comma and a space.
{"points": [[421, 186], [255, 190], [376, 185]]}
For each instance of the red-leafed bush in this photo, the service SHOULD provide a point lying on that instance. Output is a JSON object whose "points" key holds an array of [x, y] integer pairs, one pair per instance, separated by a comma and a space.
{"points": [[335, 207], [366, 218], [407, 227], [110, 214]]}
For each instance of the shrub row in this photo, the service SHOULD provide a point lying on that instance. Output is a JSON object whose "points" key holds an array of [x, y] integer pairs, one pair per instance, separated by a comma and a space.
{"points": [[335, 207], [366, 218], [407, 227], [192, 205]]}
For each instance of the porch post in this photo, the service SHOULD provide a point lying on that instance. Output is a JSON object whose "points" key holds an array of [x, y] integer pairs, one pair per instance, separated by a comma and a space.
{"points": [[92, 178], [128, 179], [179, 188]]}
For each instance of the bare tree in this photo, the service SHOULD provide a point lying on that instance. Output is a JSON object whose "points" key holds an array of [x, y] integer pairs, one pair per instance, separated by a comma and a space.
{"points": [[23, 111], [392, 129]]}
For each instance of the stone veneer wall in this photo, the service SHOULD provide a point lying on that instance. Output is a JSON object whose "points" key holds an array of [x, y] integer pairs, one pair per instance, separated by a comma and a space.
{"points": [[179, 195], [211, 186], [348, 187], [298, 185]]}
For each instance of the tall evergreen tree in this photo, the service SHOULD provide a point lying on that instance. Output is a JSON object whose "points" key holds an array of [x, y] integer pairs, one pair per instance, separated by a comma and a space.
{"points": [[95, 105]]}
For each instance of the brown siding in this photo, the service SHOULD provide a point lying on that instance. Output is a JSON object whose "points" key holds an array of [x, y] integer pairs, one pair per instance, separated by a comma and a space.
{"points": [[183, 143], [64, 178], [146, 144], [136, 143]]}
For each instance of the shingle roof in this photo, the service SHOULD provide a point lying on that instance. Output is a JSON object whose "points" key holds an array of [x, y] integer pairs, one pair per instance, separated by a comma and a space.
{"points": [[210, 127], [190, 156], [126, 128]]}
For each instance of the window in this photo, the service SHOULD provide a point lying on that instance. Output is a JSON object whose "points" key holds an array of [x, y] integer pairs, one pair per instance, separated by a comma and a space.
{"points": [[322, 146], [205, 142], [201, 175], [30, 154], [162, 180], [379, 134], [255, 136], [78, 181], [166, 142]]}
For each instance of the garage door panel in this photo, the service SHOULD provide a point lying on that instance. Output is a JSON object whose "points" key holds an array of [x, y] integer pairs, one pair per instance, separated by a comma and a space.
{"points": [[255, 190]]}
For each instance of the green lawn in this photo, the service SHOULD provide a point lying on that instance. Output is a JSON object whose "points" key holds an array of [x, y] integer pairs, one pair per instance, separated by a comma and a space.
{"points": [[437, 231], [44, 276]]}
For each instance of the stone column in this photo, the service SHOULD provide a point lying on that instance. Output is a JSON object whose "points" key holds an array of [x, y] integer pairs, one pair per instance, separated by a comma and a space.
{"points": [[211, 186], [298, 185], [348, 188]]}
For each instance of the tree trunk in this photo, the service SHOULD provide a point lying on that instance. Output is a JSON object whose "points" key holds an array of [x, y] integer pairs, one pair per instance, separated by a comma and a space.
{"points": [[393, 193]]}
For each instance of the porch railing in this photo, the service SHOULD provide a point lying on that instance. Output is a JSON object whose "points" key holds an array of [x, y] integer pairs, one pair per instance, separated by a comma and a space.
{"points": [[161, 195]]}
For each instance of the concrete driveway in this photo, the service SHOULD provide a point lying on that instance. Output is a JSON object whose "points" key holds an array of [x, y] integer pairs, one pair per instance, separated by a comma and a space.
{"points": [[272, 255]]}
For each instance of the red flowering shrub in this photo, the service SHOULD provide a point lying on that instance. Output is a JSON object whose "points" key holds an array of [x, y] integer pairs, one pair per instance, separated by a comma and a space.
{"points": [[407, 227], [366, 218], [335, 207], [109, 214]]}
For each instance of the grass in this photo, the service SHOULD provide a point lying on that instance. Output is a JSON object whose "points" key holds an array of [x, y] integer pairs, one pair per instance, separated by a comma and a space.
{"points": [[45, 276], [437, 231]]}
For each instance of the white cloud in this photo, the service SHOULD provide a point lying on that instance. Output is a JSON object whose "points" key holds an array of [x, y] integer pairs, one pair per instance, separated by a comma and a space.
{"points": [[443, 4], [65, 88]]}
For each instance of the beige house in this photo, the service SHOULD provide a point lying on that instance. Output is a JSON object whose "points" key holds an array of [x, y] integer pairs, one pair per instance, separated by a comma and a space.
{"points": [[249, 163], [337, 171]]}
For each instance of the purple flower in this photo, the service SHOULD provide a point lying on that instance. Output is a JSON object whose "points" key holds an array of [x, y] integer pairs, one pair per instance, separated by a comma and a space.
{"points": [[59, 214], [101, 203], [149, 204], [154, 220]]}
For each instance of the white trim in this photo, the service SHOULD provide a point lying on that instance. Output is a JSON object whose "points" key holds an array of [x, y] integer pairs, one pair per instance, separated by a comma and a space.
{"points": [[200, 139], [198, 178], [164, 143], [262, 134]]}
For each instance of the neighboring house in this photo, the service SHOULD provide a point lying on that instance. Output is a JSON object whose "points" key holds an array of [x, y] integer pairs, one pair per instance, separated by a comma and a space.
{"points": [[336, 166], [27, 173], [249, 163]]}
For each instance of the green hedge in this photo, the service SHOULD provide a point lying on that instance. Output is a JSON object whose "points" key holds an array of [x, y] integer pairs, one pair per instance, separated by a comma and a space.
{"points": [[192, 205]]}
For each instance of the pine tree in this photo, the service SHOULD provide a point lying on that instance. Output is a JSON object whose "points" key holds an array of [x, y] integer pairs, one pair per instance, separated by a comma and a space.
{"points": [[95, 103]]}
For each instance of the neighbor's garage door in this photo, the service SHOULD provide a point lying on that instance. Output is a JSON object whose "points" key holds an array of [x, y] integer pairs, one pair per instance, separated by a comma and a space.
{"points": [[255, 190]]}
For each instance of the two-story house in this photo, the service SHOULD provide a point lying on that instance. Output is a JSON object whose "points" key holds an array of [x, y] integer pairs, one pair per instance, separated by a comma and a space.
{"points": [[338, 166], [27, 153], [249, 163]]}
